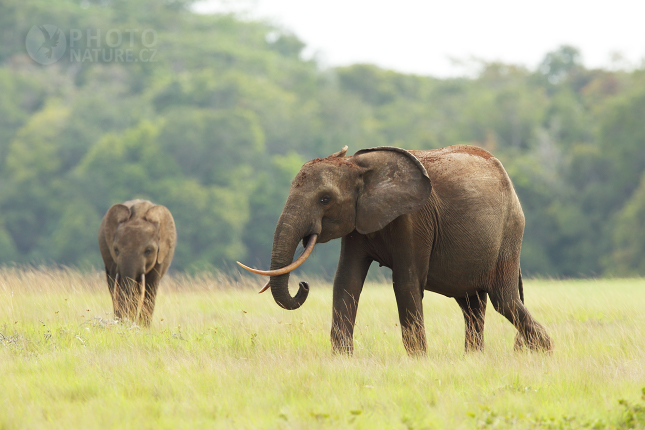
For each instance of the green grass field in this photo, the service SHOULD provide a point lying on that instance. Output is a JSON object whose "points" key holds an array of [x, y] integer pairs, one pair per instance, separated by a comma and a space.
{"points": [[218, 355]]}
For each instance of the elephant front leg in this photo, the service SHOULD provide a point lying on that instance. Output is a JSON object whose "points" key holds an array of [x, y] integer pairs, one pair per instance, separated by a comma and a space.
{"points": [[345, 306], [342, 327], [348, 284], [410, 305], [113, 288], [152, 284], [148, 307]]}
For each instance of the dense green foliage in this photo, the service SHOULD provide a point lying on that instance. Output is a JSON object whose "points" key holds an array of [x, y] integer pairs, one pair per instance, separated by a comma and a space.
{"points": [[216, 126]]}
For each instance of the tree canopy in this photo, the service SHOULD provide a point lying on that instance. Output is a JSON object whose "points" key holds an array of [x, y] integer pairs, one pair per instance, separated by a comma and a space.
{"points": [[218, 113]]}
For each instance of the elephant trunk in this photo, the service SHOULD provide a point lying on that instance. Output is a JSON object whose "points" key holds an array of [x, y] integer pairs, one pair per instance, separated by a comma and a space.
{"points": [[130, 286], [288, 234], [141, 297]]}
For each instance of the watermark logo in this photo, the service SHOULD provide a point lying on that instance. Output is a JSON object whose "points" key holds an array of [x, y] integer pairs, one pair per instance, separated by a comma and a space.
{"points": [[46, 44]]}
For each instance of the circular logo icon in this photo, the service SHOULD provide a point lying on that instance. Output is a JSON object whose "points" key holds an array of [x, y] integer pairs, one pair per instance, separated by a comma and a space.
{"points": [[45, 44]]}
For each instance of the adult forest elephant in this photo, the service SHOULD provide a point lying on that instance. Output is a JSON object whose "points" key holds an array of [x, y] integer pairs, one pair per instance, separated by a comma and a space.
{"points": [[445, 220], [137, 241]]}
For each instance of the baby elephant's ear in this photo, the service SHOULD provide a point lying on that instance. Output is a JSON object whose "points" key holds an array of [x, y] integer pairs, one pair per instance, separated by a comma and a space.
{"points": [[162, 218], [394, 183], [116, 215]]}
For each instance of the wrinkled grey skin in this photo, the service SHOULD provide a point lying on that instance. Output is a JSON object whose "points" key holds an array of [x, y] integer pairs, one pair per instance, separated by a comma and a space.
{"points": [[136, 237], [445, 220]]}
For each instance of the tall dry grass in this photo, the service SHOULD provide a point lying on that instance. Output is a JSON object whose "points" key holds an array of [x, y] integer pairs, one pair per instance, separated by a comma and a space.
{"points": [[220, 355]]}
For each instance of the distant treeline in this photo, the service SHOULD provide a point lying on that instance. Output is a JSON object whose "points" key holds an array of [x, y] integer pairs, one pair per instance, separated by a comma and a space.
{"points": [[216, 124]]}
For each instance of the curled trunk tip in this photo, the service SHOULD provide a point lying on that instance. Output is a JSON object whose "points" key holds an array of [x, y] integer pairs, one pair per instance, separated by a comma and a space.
{"points": [[295, 302]]}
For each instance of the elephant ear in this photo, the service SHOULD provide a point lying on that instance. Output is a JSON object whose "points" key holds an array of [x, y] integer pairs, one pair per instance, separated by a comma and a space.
{"points": [[394, 183], [162, 218], [116, 215]]}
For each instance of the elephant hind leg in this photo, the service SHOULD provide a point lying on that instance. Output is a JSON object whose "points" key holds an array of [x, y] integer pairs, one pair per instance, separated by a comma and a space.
{"points": [[474, 310], [506, 301]]}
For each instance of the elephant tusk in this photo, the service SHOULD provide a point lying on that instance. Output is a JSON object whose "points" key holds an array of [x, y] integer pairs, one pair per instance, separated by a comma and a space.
{"points": [[116, 294], [143, 295], [290, 267], [266, 287]]}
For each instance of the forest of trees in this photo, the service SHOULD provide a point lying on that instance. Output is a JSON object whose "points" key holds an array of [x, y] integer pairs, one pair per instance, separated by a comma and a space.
{"points": [[217, 125]]}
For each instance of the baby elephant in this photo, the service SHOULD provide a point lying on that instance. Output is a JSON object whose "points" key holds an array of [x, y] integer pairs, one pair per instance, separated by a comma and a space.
{"points": [[137, 241]]}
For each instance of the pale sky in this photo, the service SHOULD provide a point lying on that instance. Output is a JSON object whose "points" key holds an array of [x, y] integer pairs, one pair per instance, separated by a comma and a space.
{"points": [[422, 37]]}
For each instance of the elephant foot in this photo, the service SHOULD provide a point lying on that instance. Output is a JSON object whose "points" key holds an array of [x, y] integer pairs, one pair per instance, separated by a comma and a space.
{"points": [[416, 353], [519, 342], [414, 342], [342, 344], [474, 342], [535, 341], [144, 323], [474, 348], [343, 348], [347, 351]]}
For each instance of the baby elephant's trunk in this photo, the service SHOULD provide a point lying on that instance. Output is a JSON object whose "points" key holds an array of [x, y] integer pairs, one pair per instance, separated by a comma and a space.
{"points": [[136, 293]]}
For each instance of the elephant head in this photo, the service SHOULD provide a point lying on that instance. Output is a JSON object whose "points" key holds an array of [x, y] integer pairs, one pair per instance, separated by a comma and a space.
{"points": [[331, 197], [141, 239]]}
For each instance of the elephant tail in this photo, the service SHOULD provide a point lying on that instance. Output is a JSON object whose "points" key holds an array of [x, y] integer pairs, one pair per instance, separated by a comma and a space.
{"points": [[520, 286]]}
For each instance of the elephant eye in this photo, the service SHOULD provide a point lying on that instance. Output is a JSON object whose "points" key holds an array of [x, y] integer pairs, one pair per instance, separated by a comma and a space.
{"points": [[325, 200], [116, 251], [147, 252]]}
